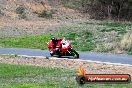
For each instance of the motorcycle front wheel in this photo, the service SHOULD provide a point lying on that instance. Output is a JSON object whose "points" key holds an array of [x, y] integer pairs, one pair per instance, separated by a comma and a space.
{"points": [[74, 53]]}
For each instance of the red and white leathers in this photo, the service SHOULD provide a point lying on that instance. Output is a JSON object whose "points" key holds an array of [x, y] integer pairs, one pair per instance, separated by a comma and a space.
{"points": [[55, 46]]}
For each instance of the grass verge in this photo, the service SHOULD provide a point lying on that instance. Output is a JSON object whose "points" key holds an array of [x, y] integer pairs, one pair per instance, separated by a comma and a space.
{"points": [[80, 41], [19, 76], [35, 42], [99, 36]]}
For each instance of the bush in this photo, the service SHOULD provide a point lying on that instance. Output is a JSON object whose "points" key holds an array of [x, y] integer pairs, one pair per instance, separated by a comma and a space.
{"points": [[126, 42], [73, 4], [21, 12], [1, 13], [111, 9], [104, 47], [22, 16], [45, 14]]}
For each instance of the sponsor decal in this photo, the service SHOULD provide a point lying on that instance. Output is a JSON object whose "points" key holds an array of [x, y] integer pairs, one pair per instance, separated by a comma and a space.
{"points": [[82, 77]]}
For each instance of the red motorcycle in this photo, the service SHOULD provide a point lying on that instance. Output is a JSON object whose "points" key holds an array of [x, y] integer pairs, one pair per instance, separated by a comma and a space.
{"points": [[63, 48]]}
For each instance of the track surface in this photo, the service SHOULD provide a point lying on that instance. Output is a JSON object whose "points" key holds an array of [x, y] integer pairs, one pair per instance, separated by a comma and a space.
{"points": [[101, 57]]}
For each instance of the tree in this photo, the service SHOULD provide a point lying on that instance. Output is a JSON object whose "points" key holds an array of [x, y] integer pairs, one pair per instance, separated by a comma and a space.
{"points": [[111, 9]]}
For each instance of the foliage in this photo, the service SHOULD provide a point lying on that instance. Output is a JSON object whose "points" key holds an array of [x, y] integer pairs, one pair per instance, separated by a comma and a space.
{"points": [[45, 14], [100, 36], [21, 11], [1, 13], [73, 4], [121, 28], [112, 9], [126, 42]]}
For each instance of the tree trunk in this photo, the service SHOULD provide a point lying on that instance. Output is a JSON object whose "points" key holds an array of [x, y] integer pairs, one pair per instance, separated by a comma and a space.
{"points": [[119, 11], [109, 8]]}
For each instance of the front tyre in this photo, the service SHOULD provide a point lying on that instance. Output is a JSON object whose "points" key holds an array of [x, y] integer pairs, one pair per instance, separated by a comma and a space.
{"points": [[51, 53], [74, 53]]}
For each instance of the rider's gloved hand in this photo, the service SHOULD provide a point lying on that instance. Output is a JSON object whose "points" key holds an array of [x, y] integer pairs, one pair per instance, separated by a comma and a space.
{"points": [[51, 52], [57, 49]]}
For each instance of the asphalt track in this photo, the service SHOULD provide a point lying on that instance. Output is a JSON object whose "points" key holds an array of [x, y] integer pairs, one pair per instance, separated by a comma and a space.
{"points": [[90, 56]]}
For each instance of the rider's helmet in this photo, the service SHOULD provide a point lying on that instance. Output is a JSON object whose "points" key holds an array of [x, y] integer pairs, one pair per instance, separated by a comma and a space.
{"points": [[54, 40]]}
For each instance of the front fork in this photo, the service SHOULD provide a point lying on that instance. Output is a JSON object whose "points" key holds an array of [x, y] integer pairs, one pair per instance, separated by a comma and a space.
{"points": [[69, 51]]}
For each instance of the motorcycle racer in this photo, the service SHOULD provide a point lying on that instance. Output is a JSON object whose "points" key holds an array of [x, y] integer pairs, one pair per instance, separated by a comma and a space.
{"points": [[61, 47], [55, 44]]}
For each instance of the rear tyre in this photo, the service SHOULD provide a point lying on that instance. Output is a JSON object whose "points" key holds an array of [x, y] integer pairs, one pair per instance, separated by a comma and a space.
{"points": [[59, 55], [74, 53]]}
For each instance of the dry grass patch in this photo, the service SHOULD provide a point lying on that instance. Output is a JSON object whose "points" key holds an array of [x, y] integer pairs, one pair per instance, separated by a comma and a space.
{"points": [[38, 7], [126, 42]]}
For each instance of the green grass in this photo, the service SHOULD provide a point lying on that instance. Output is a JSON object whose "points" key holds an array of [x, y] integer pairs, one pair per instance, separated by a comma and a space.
{"points": [[36, 42], [81, 41], [121, 28], [9, 71], [99, 36], [19, 76], [73, 4], [108, 26]]}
